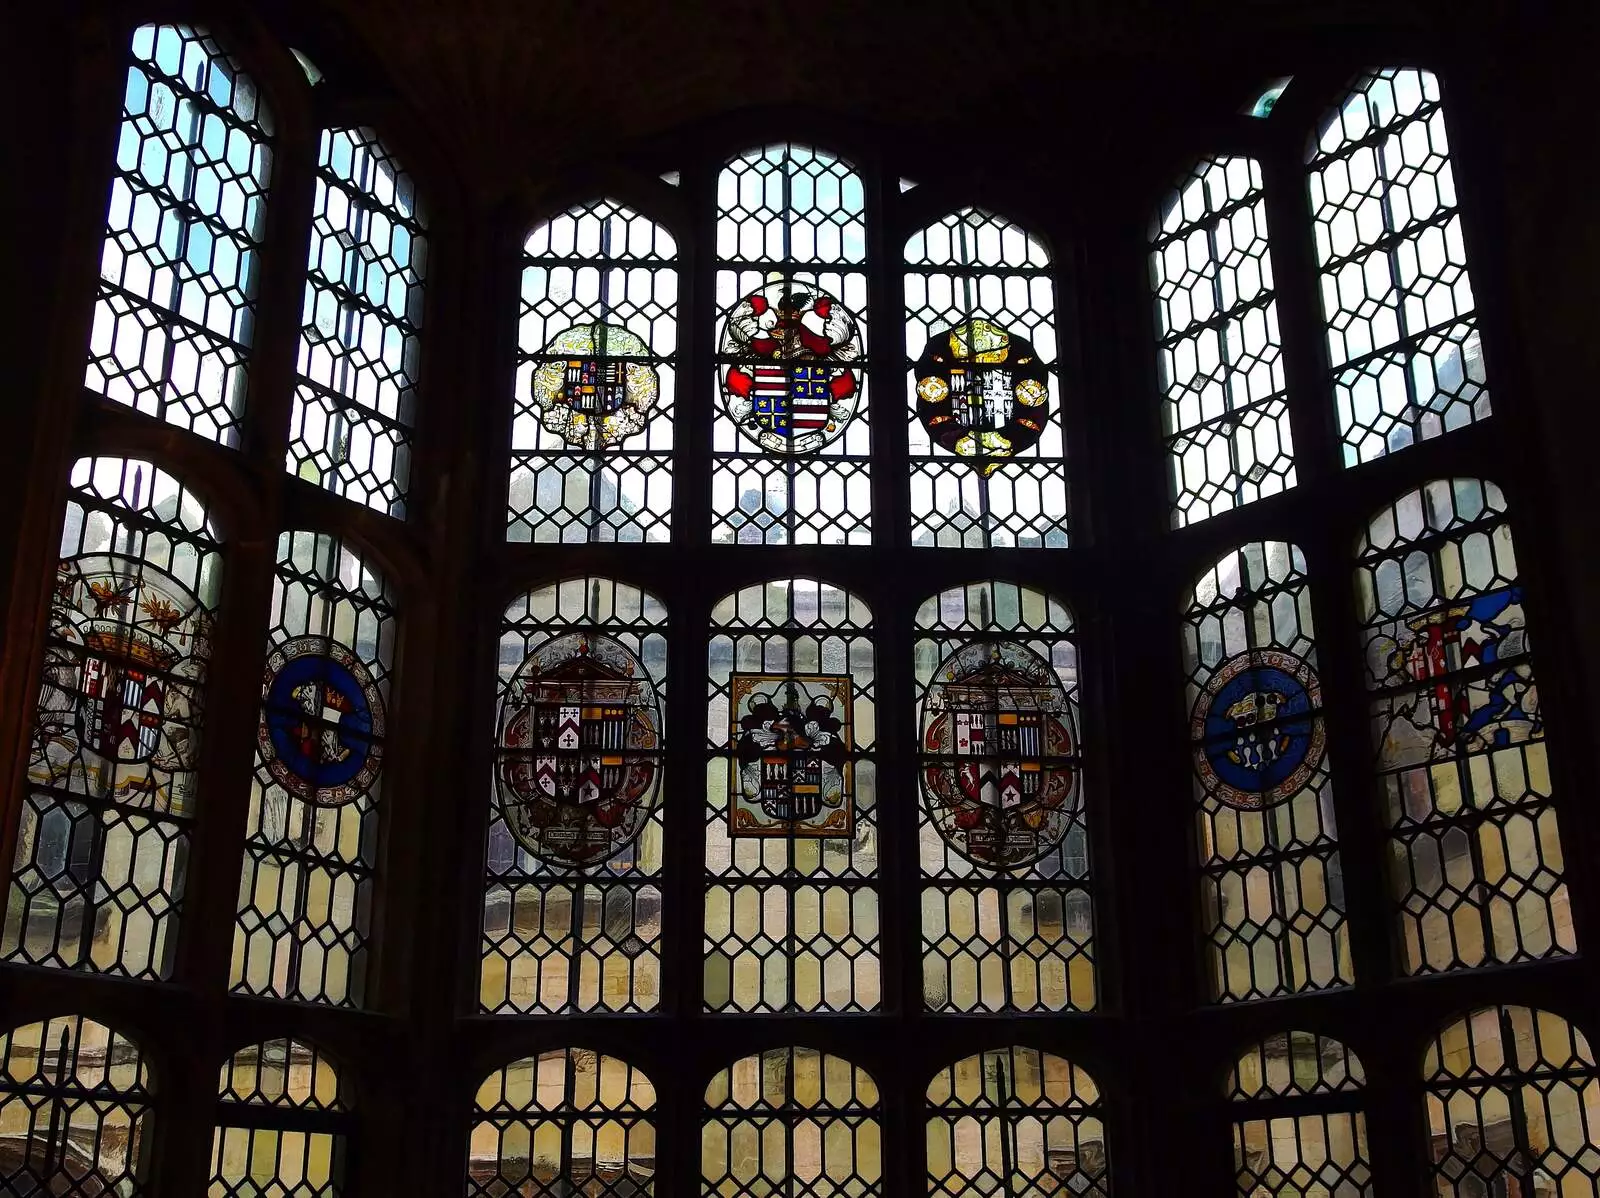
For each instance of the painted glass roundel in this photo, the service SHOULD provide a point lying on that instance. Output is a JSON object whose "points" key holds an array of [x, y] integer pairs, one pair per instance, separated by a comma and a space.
{"points": [[999, 747], [982, 392], [1257, 735], [321, 726], [788, 384], [122, 680], [589, 390], [579, 735]]}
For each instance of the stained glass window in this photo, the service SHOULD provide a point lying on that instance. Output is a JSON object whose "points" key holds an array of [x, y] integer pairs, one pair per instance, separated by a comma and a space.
{"points": [[1402, 332], [1298, 1127], [1475, 855], [176, 307], [568, 1121], [1006, 917], [359, 344], [1221, 363], [791, 915], [1261, 107], [281, 1122], [1271, 883], [1513, 1102], [987, 454], [305, 898], [75, 1110], [103, 843], [791, 1122], [597, 345], [572, 905], [1015, 1121], [790, 440]]}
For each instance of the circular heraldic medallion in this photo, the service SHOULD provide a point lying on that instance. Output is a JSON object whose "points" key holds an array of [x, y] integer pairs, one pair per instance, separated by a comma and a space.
{"points": [[1257, 736], [982, 393], [321, 728], [595, 385], [786, 378]]}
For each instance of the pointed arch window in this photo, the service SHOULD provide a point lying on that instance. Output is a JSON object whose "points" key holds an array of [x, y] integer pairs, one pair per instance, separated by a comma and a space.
{"points": [[1513, 1103], [1474, 850], [360, 341], [988, 462], [1396, 293], [1271, 881], [568, 1121], [1015, 1122], [790, 1122], [572, 900], [175, 312], [76, 1101], [790, 439], [1007, 923], [311, 838], [112, 785], [1226, 413], [283, 1116], [1298, 1126], [791, 907], [596, 382]]}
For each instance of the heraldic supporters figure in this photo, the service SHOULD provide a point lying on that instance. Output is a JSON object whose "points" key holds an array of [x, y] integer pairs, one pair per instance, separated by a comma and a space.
{"points": [[1000, 754], [982, 393], [793, 772], [578, 770], [784, 378]]}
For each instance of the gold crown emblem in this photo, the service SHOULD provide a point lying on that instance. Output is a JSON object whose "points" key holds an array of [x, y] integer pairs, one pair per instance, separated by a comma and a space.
{"points": [[120, 642]]}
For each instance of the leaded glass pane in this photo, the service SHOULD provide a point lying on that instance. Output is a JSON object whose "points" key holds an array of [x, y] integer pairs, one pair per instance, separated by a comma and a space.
{"points": [[1513, 1104], [572, 905], [291, 1144], [1272, 888], [1396, 295], [1015, 1121], [359, 342], [988, 462], [791, 915], [75, 1110], [1007, 923], [1475, 856], [175, 311], [1226, 415], [103, 844], [305, 897], [597, 345], [788, 1123], [569, 1121], [790, 438]]}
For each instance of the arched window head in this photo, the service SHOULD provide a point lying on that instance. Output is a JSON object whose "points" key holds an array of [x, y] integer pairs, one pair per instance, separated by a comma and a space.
{"points": [[1007, 923], [176, 308], [1298, 1127], [1513, 1102], [790, 439], [282, 1118], [572, 899], [1272, 889], [791, 1122], [597, 352], [568, 1121], [359, 345], [112, 776], [1459, 735], [1225, 411], [1396, 295], [1015, 1122], [75, 1103], [987, 455], [311, 838], [791, 794]]}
